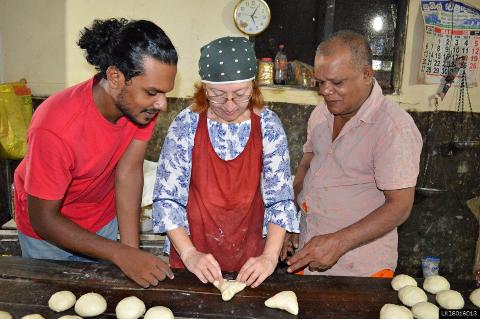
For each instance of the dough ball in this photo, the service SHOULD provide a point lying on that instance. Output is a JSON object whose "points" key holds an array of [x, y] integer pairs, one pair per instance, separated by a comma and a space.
{"points": [[284, 300], [90, 304], [33, 316], [450, 299], [391, 311], [400, 281], [159, 312], [130, 308], [62, 300], [70, 317], [474, 297], [425, 310], [411, 295], [435, 283], [5, 315], [229, 288]]}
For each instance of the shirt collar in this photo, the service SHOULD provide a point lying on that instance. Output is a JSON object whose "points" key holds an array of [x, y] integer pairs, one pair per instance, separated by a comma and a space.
{"points": [[368, 110]]}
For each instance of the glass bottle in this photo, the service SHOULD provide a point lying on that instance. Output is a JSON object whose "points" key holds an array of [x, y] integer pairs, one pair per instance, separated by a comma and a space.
{"points": [[280, 66]]}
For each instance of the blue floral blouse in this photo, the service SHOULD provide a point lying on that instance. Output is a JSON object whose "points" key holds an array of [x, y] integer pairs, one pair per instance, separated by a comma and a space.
{"points": [[170, 194]]}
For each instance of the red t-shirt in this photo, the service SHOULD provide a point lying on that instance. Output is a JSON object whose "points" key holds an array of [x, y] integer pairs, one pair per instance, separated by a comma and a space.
{"points": [[72, 154]]}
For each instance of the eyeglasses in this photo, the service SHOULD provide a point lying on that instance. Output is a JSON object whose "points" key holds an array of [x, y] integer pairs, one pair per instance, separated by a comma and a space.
{"points": [[222, 99]]}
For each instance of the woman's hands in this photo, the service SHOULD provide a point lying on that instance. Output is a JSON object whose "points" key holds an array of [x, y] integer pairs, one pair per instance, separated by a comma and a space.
{"points": [[257, 269], [204, 266]]}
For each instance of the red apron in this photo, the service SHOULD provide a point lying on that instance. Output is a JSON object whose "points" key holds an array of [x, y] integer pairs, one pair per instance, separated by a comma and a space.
{"points": [[225, 205]]}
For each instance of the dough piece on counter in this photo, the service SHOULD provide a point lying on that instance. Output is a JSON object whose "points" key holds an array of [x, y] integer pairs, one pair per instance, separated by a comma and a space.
{"points": [[284, 300], [5, 315], [33, 316], [159, 312], [391, 311], [70, 317], [400, 281], [130, 308], [62, 300], [474, 297], [229, 288], [436, 283], [450, 299], [425, 310], [411, 295], [90, 304]]}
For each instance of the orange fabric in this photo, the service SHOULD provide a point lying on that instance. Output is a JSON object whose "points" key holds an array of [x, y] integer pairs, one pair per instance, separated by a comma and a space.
{"points": [[304, 207], [384, 273]]}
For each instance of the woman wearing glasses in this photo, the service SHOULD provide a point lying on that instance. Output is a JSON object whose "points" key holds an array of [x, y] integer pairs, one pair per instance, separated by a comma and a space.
{"points": [[217, 155]]}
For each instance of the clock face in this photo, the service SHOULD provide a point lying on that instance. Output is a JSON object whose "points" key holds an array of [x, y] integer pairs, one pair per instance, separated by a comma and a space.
{"points": [[252, 16]]}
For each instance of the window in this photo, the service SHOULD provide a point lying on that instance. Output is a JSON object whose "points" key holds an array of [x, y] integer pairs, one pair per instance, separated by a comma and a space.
{"points": [[301, 25]]}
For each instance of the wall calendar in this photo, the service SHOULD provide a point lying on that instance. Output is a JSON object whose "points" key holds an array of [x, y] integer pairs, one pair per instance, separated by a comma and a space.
{"points": [[451, 45]]}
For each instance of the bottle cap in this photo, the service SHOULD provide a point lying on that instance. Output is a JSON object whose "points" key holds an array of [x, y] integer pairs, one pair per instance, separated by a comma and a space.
{"points": [[430, 266], [266, 59]]}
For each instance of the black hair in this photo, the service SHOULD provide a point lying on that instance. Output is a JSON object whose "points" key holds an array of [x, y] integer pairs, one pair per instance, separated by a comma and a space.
{"points": [[124, 44], [356, 42]]}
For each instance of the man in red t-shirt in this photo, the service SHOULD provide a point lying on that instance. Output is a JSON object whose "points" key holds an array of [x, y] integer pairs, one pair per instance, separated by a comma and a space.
{"points": [[86, 144]]}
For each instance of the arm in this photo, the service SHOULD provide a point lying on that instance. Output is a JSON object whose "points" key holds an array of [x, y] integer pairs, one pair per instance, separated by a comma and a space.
{"points": [[323, 251], [302, 169], [280, 213], [46, 220], [290, 243], [128, 192], [170, 196]]}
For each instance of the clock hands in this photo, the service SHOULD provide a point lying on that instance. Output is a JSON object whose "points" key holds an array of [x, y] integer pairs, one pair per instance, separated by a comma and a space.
{"points": [[253, 15]]}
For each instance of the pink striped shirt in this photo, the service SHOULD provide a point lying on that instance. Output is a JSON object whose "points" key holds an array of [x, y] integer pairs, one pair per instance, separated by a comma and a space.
{"points": [[377, 149]]}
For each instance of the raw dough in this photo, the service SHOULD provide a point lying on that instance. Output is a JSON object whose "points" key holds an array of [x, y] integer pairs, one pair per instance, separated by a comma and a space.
{"points": [[70, 317], [285, 300], [159, 312], [5, 315], [411, 295], [400, 281], [391, 311], [33, 316], [130, 308], [90, 304], [425, 310], [229, 288], [450, 299], [474, 297], [62, 300], [436, 283]]}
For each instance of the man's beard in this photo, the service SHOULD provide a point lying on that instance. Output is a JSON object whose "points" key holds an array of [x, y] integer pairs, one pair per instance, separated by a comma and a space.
{"points": [[125, 109]]}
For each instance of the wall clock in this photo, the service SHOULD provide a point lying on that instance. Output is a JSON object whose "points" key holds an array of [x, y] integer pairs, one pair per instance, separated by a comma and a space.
{"points": [[252, 16]]}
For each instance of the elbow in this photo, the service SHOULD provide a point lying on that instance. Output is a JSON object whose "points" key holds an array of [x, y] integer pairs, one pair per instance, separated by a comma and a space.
{"points": [[41, 224], [405, 213]]}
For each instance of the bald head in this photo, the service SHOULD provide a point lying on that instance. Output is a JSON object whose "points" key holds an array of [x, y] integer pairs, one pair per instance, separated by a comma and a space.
{"points": [[355, 43]]}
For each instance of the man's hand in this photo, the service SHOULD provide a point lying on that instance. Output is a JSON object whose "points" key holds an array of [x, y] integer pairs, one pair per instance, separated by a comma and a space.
{"points": [[143, 268], [476, 274], [320, 253], [204, 266], [290, 245], [257, 269]]}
